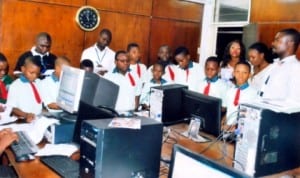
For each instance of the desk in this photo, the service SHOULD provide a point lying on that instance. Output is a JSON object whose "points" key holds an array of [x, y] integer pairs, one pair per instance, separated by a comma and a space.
{"points": [[36, 169]]}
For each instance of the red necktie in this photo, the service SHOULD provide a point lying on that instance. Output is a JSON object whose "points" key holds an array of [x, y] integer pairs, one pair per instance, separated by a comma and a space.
{"points": [[206, 89], [131, 79], [139, 70], [3, 90], [171, 73], [187, 74], [237, 97], [36, 93]]}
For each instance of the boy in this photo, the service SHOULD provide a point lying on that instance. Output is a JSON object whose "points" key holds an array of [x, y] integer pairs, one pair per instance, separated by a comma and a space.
{"points": [[87, 65], [187, 72], [163, 58], [128, 81], [133, 51], [5, 80], [240, 93], [24, 96], [157, 80], [211, 85], [50, 85]]}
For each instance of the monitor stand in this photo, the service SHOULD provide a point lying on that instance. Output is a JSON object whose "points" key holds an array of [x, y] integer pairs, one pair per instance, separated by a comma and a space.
{"points": [[193, 131]]}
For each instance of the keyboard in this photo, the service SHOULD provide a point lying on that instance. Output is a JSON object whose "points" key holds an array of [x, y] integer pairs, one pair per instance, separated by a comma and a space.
{"points": [[62, 165], [62, 115], [24, 146]]}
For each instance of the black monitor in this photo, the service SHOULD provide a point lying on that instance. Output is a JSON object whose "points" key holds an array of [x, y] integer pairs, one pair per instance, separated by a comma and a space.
{"points": [[185, 163], [206, 108]]}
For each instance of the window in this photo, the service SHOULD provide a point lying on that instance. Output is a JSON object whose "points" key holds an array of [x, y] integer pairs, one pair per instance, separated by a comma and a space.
{"points": [[228, 11]]}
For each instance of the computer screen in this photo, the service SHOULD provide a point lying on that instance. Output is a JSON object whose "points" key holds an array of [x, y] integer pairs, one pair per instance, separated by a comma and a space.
{"points": [[70, 87], [185, 163], [206, 108]]}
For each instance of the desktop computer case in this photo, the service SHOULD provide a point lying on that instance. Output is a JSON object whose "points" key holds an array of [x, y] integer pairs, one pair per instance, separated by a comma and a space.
{"points": [[118, 152], [267, 142], [165, 103]]}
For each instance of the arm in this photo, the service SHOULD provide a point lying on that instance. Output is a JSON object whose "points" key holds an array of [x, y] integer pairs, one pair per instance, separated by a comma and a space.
{"points": [[6, 138], [21, 114]]}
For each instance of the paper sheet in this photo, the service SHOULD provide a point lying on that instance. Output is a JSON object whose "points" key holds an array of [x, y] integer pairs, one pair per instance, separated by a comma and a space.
{"points": [[5, 116], [35, 129], [57, 149], [130, 123]]}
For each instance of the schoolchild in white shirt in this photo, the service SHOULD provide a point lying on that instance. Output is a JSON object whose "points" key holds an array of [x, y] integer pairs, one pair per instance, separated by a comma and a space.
{"points": [[50, 85], [240, 93], [187, 72], [212, 85], [134, 55], [128, 81], [87, 65], [24, 95], [157, 80]]}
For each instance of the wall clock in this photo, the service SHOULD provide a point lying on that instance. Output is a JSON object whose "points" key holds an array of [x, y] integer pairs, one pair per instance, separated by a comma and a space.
{"points": [[87, 18]]}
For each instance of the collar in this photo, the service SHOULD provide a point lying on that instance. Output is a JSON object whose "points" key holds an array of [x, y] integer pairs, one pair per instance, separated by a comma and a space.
{"points": [[243, 86], [54, 78], [190, 65], [34, 53], [24, 79], [162, 81], [212, 80], [96, 47], [291, 58], [116, 70]]}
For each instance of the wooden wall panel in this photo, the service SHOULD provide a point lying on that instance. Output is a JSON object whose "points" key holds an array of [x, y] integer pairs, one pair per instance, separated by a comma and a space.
{"points": [[174, 34], [125, 28], [61, 2], [141, 7], [275, 11], [175, 9]]}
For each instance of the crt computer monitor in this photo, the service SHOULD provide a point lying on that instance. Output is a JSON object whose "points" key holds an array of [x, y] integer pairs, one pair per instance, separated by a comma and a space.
{"points": [[70, 87], [185, 163], [207, 108]]}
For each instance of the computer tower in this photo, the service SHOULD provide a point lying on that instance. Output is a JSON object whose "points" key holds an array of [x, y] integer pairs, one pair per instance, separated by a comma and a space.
{"points": [[165, 103], [267, 142], [107, 152]]}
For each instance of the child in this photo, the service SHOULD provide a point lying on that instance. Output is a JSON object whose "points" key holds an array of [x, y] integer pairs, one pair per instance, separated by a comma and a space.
{"points": [[128, 81], [87, 65], [240, 93], [187, 72], [211, 85], [24, 96], [5, 80], [157, 80], [50, 85], [163, 58], [133, 51]]}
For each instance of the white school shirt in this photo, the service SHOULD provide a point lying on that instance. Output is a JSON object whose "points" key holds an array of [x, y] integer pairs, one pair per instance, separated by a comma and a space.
{"points": [[226, 74], [21, 96], [143, 68], [145, 96], [283, 81], [218, 88], [49, 89], [106, 57], [246, 94], [190, 78], [127, 92], [168, 75], [258, 80]]}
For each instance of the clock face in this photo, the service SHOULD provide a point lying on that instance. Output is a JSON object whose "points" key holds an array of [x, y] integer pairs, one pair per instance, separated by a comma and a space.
{"points": [[87, 18]]}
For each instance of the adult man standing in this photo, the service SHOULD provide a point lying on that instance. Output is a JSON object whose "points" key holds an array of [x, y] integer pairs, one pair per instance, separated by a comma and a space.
{"points": [[100, 54], [283, 81], [42, 48]]}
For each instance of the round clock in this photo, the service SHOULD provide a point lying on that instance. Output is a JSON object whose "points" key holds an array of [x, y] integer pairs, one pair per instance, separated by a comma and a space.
{"points": [[88, 18]]}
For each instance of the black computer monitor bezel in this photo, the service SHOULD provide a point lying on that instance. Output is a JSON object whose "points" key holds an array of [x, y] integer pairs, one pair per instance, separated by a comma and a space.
{"points": [[207, 161], [210, 121]]}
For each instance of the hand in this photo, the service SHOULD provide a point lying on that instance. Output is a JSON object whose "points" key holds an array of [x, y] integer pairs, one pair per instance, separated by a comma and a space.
{"points": [[29, 117], [6, 138], [102, 72], [2, 108], [53, 106]]}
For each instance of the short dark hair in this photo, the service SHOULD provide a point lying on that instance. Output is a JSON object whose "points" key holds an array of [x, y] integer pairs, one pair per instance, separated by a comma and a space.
{"points": [[181, 50], [86, 63], [118, 53], [2, 57], [294, 34], [213, 59], [244, 63], [36, 60], [132, 45], [160, 65], [107, 32], [45, 35], [262, 48]]}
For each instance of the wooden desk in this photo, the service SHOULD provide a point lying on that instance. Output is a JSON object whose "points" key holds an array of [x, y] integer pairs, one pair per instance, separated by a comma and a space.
{"points": [[36, 169]]}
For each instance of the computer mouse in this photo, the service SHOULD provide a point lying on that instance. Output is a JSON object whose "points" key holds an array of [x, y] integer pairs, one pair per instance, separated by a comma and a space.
{"points": [[23, 158]]}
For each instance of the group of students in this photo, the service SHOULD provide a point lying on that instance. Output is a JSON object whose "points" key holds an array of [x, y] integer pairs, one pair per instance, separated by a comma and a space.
{"points": [[231, 79]]}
